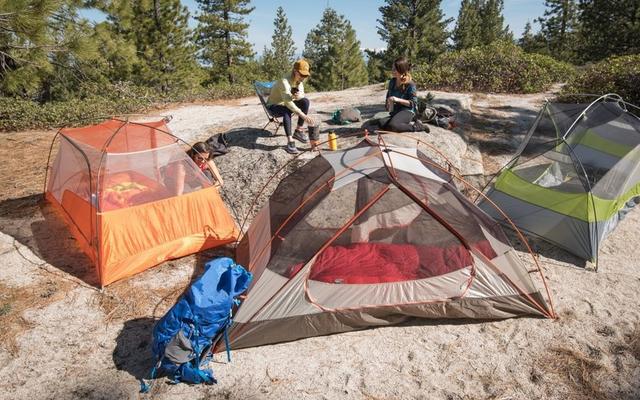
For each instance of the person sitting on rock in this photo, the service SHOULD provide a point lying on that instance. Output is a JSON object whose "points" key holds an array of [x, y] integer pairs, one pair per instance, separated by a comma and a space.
{"points": [[287, 98], [402, 100]]}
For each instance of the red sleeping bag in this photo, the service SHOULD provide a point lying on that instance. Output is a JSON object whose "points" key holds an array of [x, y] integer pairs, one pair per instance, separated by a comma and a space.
{"points": [[385, 262]]}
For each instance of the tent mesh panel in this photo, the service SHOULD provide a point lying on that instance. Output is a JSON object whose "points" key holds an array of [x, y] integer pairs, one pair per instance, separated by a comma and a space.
{"points": [[594, 146], [305, 237], [394, 240], [600, 140]]}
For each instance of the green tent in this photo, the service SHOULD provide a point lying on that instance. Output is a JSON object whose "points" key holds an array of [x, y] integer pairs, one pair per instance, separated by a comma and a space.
{"points": [[575, 176]]}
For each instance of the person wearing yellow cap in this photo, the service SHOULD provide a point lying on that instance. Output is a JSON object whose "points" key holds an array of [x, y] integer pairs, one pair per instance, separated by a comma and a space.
{"points": [[287, 98]]}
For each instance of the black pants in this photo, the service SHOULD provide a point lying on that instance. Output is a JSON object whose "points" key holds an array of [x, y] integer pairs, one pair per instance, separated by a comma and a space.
{"points": [[285, 113], [400, 122]]}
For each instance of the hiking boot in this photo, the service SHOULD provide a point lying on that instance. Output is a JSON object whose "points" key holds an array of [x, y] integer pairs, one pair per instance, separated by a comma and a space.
{"points": [[418, 126], [300, 136], [291, 148]]}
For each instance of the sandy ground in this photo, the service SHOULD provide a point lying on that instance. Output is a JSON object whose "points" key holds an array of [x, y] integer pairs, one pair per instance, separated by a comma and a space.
{"points": [[62, 338]]}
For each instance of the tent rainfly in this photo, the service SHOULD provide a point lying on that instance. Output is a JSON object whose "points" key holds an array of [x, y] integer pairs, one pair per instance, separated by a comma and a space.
{"points": [[575, 176], [372, 236], [115, 184]]}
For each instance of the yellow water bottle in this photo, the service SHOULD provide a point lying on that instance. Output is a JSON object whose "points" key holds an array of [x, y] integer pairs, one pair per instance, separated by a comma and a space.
{"points": [[333, 141]]}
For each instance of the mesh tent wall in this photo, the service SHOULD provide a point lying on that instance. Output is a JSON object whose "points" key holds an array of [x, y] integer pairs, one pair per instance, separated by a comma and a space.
{"points": [[115, 183], [575, 176], [372, 236]]}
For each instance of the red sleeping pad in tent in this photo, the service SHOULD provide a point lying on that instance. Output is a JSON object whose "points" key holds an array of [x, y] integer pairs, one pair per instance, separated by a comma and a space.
{"points": [[387, 262]]}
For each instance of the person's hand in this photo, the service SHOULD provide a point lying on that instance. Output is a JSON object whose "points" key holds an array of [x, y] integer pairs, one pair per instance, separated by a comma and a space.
{"points": [[390, 101], [310, 121]]}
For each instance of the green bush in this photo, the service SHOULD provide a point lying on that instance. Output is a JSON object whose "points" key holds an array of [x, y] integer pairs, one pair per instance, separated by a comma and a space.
{"points": [[500, 67], [117, 99], [619, 75], [229, 91], [17, 113]]}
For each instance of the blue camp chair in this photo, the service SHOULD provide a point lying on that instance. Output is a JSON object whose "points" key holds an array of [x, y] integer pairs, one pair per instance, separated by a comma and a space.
{"points": [[262, 90]]}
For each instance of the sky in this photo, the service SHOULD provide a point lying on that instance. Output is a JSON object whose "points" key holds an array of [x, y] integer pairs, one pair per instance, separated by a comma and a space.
{"points": [[363, 14]]}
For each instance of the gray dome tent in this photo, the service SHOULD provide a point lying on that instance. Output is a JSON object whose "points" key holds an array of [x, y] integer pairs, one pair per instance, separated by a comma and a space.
{"points": [[371, 236], [575, 175]]}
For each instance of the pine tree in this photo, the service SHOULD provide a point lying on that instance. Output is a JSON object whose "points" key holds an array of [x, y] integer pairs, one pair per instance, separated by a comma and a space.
{"points": [[527, 37], [159, 31], [350, 67], [607, 28], [557, 28], [222, 37], [318, 46], [23, 36], [334, 54], [41, 46], [492, 22], [74, 68], [467, 32], [532, 43], [277, 60], [414, 29], [116, 41], [165, 44], [376, 66], [119, 58]]}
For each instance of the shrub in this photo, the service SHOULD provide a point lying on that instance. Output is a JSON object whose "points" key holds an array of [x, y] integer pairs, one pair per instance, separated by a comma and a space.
{"points": [[122, 98], [500, 67], [229, 91], [619, 75], [102, 102]]}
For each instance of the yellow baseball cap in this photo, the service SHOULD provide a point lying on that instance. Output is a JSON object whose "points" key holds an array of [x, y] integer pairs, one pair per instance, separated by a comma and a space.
{"points": [[302, 67]]}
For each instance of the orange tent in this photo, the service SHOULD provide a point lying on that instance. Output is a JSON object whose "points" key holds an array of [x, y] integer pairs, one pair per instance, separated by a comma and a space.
{"points": [[114, 184]]}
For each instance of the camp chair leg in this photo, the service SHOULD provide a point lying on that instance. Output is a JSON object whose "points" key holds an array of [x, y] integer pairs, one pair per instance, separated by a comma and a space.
{"points": [[277, 127]]}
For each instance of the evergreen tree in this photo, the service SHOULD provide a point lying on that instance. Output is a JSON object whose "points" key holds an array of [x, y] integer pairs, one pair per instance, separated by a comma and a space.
{"points": [[532, 43], [557, 28], [119, 58], [377, 68], [492, 22], [163, 41], [74, 67], [414, 29], [608, 27], [467, 32], [158, 29], [318, 46], [350, 68], [278, 59], [23, 37], [41, 47], [115, 39], [527, 37], [334, 54], [222, 38]]}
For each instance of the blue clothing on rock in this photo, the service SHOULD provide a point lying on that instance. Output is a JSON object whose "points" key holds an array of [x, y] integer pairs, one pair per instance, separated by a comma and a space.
{"points": [[410, 93]]}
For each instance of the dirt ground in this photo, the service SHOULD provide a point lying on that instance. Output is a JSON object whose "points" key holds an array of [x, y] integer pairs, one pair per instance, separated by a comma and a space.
{"points": [[61, 337]]}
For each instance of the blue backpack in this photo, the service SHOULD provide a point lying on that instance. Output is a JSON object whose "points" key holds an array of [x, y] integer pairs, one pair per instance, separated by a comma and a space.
{"points": [[188, 329]]}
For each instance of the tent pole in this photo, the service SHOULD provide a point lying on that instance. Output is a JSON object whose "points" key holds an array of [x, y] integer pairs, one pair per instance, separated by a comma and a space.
{"points": [[584, 112]]}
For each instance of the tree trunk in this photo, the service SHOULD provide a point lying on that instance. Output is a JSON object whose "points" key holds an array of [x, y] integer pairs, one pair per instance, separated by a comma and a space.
{"points": [[563, 27], [227, 42], [163, 65], [412, 24]]}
